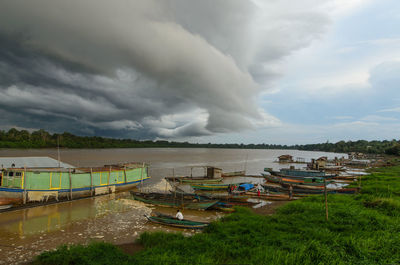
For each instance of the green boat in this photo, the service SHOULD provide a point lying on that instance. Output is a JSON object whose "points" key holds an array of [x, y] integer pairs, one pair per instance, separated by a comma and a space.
{"points": [[213, 187], [193, 180], [172, 221], [169, 200]]}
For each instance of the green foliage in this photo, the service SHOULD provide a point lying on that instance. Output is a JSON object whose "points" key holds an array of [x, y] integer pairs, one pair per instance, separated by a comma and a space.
{"points": [[95, 254], [42, 139]]}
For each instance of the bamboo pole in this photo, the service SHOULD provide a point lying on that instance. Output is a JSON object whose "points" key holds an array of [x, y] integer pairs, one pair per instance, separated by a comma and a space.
{"points": [[70, 184], [24, 199], [326, 200], [91, 181]]}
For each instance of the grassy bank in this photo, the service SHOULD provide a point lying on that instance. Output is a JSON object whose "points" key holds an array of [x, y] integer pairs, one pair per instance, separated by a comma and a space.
{"points": [[362, 229]]}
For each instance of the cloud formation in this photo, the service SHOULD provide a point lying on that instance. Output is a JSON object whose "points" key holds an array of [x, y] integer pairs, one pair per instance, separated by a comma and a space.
{"points": [[146, 68]]}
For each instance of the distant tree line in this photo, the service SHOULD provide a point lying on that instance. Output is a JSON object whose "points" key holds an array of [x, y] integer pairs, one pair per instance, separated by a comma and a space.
{"points": [[14, 138]]}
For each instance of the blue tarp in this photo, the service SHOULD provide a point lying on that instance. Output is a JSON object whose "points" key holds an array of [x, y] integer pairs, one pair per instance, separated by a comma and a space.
{"points": [[245, 186]]}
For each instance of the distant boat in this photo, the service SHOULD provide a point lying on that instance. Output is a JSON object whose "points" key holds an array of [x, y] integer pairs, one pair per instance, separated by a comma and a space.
{"points": [[37, 185], [172, 221], [169, 200]]}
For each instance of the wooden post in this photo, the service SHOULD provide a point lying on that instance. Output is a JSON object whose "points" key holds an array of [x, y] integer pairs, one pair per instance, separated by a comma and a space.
{"points": [[109, 176], [125, 173], [290, 192], [326, 200], [91, 181], [173, 174], [24, 199], [70, 184], [141, 178], [359, 183], [191, 172], [182, 201]]}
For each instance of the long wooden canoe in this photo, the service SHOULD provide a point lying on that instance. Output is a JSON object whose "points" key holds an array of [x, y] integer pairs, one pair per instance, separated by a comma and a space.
{"points": [[193, 180], [169, 200], [304, 181], [210, 186], [172, 221]]}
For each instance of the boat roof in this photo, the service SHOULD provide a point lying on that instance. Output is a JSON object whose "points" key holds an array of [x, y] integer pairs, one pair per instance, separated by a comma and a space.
{"points": [[32, 162]]}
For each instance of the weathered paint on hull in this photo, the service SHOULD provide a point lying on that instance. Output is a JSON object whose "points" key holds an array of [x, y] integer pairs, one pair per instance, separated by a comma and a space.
{"points": [[15, 196]]}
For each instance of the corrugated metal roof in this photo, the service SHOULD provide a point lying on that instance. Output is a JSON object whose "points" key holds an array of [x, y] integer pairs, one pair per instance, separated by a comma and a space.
{"points": [[31, 162]]}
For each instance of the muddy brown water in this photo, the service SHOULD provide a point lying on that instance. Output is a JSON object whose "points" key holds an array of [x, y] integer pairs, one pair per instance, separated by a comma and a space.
{"points": [[116, 218]]}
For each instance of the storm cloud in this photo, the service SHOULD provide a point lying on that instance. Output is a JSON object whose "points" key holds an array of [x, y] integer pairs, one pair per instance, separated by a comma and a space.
{"points": [[147, 68]]}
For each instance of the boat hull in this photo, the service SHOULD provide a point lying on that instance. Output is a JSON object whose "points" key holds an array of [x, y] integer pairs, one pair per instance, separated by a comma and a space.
{"points": [[169, 201], [171, 221]]}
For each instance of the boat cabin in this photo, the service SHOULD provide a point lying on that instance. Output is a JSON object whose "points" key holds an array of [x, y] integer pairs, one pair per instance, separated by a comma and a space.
{"points": [[214, 173], [285, 159]]}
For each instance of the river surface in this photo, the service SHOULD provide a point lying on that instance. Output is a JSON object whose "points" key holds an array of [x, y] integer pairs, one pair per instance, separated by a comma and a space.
{"points": [[116, 218]]}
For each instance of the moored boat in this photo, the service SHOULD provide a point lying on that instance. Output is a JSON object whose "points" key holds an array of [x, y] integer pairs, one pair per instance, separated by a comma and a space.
{"points": [[298, 181], [193, 179], [170, 200], [300, 173], [211, 187], [36, 185], [172, 221]]}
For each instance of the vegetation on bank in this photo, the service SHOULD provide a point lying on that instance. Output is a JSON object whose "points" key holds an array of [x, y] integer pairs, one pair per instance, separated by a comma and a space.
{"points": [[42, 139], [362, 229]]}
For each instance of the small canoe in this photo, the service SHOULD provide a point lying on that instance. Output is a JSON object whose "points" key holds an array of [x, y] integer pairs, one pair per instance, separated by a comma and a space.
{"points": [[169, 200], [193, 179], [318, 182], [172, 221], [210, 186]]}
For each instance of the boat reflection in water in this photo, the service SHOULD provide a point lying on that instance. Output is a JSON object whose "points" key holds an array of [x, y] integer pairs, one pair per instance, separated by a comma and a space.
{"points": [[54, 217]]}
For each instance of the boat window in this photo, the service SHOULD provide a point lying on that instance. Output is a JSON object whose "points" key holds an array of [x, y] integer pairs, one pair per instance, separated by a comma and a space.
{"points": [[10, 174], [18, 174]]}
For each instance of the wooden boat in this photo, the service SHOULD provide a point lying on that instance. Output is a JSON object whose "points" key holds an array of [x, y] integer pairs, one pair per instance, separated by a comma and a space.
{"points": [[211, 187], [169, 200], [172, 221], [301, 190], [229, 198], [193, 179], [319, 182], [298, 173], [37, 185]]}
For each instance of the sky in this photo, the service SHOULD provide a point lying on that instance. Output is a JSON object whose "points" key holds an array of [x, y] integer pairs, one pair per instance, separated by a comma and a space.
{"points": [[238, 71]]}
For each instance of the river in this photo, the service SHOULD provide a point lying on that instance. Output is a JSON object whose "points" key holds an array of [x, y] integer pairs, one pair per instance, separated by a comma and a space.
{"points": [[116, 218]]}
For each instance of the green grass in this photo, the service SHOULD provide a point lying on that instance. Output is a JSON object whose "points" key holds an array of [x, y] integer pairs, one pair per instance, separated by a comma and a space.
{"points": [[362, 229]]}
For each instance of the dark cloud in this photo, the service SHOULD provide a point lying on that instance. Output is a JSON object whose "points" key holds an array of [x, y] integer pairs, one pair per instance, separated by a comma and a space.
{"points": [[144, 68]]}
